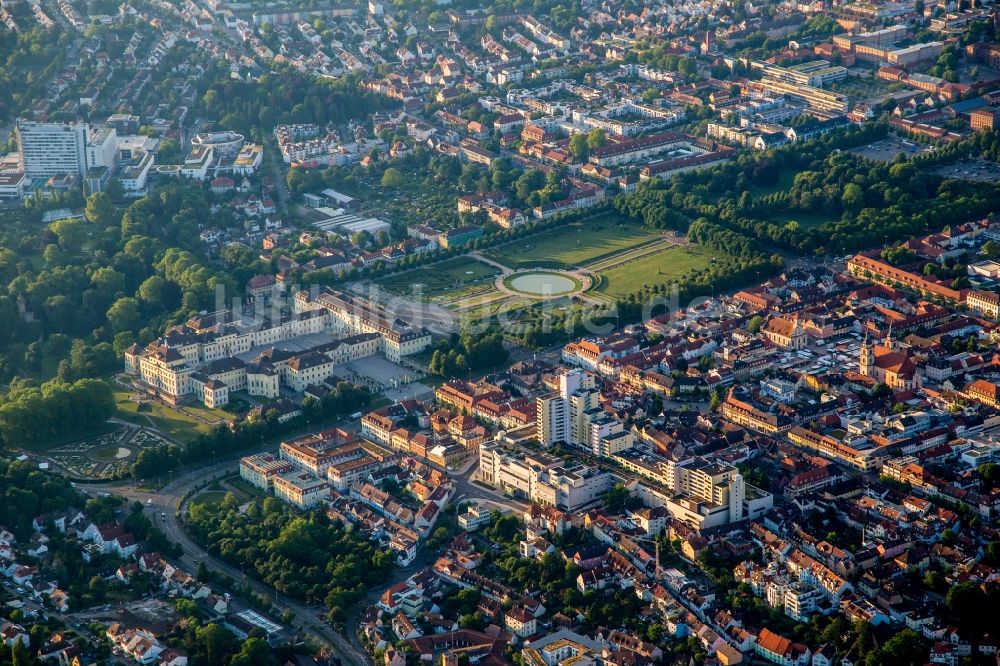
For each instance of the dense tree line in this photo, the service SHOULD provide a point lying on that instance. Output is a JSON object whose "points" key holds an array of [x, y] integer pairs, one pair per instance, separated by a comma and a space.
{"points": [[26, 492], [82, 290], [865, 203], [29, 62], [468, 353], [307, 557], [30, 414], [285, 96]]}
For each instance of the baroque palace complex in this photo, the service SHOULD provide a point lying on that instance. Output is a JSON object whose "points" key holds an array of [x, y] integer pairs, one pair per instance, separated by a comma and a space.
{"points": [[215, 353]]}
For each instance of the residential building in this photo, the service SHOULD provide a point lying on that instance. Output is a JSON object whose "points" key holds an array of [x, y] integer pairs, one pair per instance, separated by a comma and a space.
{"points": [[52, 149], [260, 469]]}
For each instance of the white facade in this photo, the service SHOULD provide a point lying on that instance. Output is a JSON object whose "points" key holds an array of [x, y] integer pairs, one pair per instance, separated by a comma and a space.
{"points": [[102, 148], [52, 149]]}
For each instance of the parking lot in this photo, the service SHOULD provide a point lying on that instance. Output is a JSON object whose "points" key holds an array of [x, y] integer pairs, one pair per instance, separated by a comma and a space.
{"points": [[887, 149], [979, 170]]}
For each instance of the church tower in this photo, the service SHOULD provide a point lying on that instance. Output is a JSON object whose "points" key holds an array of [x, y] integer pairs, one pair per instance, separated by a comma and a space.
{"points": [[866, 360]]}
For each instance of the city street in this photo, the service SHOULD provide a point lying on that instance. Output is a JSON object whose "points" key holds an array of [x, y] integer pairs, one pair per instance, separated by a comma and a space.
{"points": [[165, 509]]}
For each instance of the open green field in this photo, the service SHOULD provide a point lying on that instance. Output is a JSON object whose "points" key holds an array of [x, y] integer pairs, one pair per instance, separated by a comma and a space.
{"points": [[173, 423], [209, 498], [782, 184], [668, 264], [451, 276], [575, 244], [246, 487]]}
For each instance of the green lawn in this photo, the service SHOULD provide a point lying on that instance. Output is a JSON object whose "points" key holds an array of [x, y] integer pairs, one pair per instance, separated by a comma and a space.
{"points": [[450, 275], [246, 487], [575, 244], [783, 184], [668, 264], [173, 423], [209, 498]]}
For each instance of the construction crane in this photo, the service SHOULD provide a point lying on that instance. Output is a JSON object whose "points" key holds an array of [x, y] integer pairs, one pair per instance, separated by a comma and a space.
{"points": [[656, 543]]}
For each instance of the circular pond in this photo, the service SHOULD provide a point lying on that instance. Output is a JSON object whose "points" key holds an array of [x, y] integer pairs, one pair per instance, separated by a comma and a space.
{"points": [[543, 283]]}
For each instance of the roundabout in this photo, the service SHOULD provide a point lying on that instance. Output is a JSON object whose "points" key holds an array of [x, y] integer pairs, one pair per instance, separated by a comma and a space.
{"points": [[543, 283]]}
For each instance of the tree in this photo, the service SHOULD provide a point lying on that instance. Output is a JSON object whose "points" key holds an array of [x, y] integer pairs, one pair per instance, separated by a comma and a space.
{"points": [[578, 146], [99, 210], [991, 250], [123, 315], [159, 293], [254, 652], [503, 528], [361, 238], [993, 553], [169, 151], [216, 643], [70, 232], [108, 281], [907, 648], [619, 498], [530, 181], [96, 588], [596, 138], [392, 178], [968, 603], [755, 323], [19, 655], [853, 198], [989, 474]]}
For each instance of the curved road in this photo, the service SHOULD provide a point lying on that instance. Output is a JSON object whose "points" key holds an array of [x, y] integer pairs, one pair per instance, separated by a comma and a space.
{"points": [[163, 507]]}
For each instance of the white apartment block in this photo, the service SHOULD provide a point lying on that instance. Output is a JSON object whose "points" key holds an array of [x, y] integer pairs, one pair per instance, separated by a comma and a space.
{"points": [[551, 419], [301, 489], [559, 415], [542, 479], [707, 493], [134, 174], [52, 149], [102, 148], [801, 601], [261, 469], [13, 184]]}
